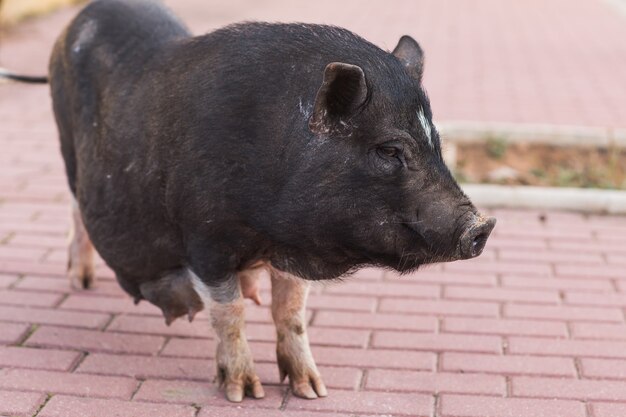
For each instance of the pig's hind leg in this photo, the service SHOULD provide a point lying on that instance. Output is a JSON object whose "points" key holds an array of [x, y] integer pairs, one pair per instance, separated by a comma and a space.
{"points": [[80, 269], [235, 367], [293, 352]]}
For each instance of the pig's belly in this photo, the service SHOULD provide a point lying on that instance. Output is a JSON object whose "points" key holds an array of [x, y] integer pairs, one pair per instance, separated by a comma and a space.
{"points": [[128, 226]]}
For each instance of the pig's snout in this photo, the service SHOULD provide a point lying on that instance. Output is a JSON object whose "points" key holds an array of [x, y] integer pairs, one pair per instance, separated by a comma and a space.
{"points": [[475, 237]]}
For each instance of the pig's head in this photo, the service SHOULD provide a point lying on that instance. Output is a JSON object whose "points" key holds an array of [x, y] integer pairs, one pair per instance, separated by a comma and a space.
{"points": [[389, 197]]}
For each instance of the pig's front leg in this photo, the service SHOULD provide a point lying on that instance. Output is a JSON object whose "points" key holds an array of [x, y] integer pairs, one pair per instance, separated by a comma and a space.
{"points": [[235, 368], [293, 352]]}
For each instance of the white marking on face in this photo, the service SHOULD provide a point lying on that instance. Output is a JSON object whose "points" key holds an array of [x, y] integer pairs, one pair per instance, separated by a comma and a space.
{"points": [[425, 125]]}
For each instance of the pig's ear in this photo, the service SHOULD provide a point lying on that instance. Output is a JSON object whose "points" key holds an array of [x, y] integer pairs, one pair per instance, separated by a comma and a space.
{"points": [[409, 52], [342, 92]]}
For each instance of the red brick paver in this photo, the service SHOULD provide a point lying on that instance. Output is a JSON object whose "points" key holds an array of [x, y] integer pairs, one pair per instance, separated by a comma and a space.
{"points": [[20, 404], [533, 328], [64, 406], [465, 406]]}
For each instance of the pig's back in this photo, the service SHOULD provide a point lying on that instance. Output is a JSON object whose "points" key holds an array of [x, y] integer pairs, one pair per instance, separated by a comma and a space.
{"points": [[245, 94]]}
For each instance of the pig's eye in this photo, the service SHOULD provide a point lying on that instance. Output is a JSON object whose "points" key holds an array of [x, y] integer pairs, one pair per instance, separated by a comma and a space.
{"points": [[389, 151]]}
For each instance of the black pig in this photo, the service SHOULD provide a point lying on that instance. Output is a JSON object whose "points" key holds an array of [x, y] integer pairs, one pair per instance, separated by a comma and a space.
{"points": [[197, 163]]}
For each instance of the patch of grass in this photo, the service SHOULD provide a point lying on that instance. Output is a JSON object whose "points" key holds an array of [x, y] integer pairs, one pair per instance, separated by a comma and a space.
{"points": [[538, 173], [496, 147], [567, 177]]}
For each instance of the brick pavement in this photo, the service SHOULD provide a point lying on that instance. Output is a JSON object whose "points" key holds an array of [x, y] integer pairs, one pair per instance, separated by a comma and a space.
{"points": [[533, 328]]}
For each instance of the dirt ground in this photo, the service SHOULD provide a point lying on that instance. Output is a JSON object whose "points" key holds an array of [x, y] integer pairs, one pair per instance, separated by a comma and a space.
{"points": [[13, 11], [530, 164]]}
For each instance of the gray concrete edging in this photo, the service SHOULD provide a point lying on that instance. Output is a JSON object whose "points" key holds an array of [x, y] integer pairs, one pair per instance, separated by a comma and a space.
{"points": [[581, 200], [555, 135]]}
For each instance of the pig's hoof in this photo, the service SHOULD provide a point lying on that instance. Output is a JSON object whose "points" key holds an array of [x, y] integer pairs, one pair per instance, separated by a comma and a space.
{"points": [[238, 386], [239, 380], [304, 380], [81, 276]]}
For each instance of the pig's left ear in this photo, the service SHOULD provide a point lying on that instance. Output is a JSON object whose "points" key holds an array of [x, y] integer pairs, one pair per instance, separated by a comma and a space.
{"points": [[342, 92], [409, 52]]}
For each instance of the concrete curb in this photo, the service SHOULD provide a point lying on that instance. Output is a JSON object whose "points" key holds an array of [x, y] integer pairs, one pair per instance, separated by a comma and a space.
{"points": [[571, 199], [472, 132]]}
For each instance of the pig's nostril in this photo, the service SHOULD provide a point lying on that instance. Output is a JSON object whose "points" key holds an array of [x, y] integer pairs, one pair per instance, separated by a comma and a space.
{"points": [[475, 238], [479, 243]]}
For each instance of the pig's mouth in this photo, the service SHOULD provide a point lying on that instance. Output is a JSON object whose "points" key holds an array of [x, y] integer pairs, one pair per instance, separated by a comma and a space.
{"points": [[417, 252]]}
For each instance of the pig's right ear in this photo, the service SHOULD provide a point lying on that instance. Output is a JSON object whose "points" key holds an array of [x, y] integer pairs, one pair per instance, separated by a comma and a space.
{"points": [[342, 93], [410, 54]]}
